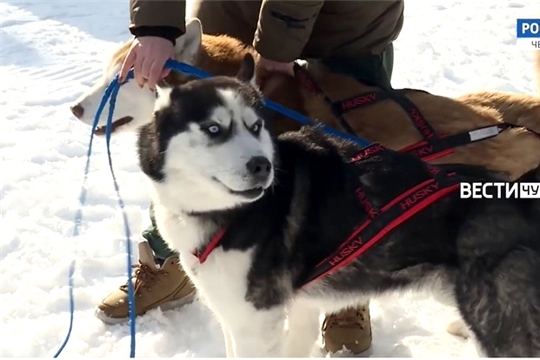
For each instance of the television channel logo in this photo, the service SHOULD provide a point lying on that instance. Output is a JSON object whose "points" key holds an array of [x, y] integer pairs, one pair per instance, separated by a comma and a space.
{"points": [[528, 34]]}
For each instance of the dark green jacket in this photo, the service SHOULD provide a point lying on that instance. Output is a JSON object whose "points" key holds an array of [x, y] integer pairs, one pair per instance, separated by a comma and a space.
{"points": [[285, 30]]}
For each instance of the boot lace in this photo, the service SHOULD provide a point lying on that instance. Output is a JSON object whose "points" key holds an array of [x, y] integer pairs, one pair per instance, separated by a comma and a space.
{"points": [[144, 276]]}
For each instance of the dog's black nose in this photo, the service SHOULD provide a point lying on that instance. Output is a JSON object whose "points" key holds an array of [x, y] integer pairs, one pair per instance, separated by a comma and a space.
{"points": [[259, 166], [77, 110]]}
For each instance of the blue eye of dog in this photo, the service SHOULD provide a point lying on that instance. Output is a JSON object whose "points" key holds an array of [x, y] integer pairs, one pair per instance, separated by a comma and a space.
{"points": [[256, 128], [213, 129]]}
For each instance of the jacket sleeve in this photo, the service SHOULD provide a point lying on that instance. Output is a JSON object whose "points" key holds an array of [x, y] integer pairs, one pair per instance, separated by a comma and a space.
{"points": [[284, 28], [163, 18]]}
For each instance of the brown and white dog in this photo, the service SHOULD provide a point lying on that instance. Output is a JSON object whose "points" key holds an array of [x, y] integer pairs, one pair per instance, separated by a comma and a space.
{"points": [[513, 151]]}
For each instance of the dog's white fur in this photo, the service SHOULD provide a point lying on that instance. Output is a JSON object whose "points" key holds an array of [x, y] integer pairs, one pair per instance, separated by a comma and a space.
{"points": [[133, 100], [205, 181]]}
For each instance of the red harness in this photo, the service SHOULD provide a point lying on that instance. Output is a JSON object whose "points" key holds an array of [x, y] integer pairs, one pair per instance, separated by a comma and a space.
{"points": [[214, 243], [378, 221], [433, 145], [381, 221]]}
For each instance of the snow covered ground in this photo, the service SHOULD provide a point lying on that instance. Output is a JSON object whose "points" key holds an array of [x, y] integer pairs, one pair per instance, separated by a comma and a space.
{"points": [[50, 52]]}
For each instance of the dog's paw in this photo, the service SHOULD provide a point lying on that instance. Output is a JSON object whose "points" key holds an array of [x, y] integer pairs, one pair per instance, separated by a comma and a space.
{"points": [[458, 328]]}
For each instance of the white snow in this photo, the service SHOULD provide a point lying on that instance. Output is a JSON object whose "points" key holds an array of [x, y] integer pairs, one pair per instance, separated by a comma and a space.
{"points": [[50, 52]]}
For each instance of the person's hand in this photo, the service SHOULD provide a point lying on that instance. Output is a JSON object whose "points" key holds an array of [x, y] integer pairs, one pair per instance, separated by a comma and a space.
{"points": [[268, 67], [147, 55]]}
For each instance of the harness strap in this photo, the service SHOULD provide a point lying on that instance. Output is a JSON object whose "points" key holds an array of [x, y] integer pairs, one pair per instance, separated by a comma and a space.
{"points": [[339, 108], [303, 75], [418, 119], [215, 241], [432, 150], [365, 99], [433, 146], [382, 221], [373, 97]]}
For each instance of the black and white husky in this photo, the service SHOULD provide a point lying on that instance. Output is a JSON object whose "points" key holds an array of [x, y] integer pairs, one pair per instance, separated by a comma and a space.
{"points": [[253, 216]]}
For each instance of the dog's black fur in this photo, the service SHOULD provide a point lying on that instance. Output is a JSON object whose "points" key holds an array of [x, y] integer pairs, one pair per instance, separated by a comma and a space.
{"points": [[486, 250]]}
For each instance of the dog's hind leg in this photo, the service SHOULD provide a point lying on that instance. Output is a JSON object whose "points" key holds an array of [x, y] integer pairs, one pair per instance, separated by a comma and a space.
{"points": [[499, 298], [303, 330]]}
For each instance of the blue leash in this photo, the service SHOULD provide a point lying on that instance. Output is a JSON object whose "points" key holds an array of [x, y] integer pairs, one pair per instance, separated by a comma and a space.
{"points": [[110, 95], [71, 308]]}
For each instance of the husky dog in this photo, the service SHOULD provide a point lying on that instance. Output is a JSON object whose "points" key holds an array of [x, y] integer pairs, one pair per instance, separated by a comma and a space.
{"points": [[253, 216]]}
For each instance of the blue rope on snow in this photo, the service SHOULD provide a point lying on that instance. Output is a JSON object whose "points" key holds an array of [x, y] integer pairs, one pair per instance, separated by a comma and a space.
{"points": [[71, 308], [131, 295], [110, 95]]}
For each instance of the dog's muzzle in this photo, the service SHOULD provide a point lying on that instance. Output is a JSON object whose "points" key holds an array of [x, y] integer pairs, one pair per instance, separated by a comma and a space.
{"points": [[259, 169], [257, 178]]}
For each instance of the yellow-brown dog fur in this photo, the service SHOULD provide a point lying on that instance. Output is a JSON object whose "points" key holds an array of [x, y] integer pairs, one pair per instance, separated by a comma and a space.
{"points": [[514, 151]]}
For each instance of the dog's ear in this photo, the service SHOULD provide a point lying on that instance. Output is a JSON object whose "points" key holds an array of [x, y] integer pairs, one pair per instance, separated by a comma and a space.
{"points": [[247, 70], [188, 45]]}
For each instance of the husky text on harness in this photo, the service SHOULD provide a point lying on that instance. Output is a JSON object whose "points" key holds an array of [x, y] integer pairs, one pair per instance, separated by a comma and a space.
{"points": [[381, 221], [432, 146]]}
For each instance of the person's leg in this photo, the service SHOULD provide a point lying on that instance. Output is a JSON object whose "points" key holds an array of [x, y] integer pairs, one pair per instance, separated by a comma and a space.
{"points": [[388, 60], [159, 281], [373, 70], [159, 247]]}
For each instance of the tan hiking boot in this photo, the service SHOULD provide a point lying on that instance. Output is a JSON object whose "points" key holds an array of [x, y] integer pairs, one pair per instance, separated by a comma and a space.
{"points": [[350, 328], [166, 287]]}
